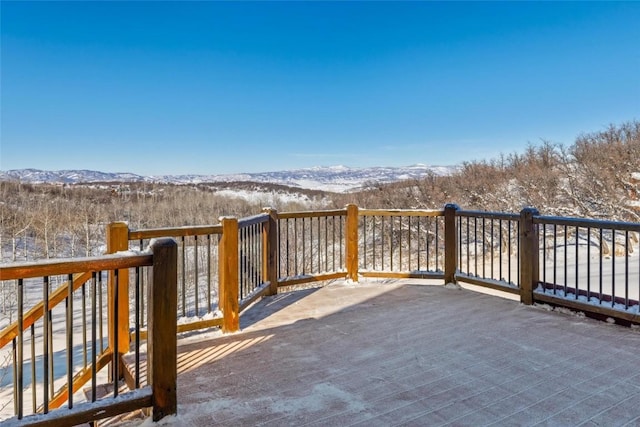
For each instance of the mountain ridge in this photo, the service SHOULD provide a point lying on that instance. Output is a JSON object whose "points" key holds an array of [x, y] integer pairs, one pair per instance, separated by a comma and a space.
{"points": [[337, 178]]}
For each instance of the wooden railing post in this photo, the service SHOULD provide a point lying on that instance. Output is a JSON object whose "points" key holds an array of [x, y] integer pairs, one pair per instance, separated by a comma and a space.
{"points": [[529, 245], [351, 244], [450, 243], [228, 271], [270, 251], [162, 297], [118, 240]]}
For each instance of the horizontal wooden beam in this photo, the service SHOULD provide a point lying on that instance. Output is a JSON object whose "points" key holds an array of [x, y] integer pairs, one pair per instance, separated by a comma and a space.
{"points": [[401, 212], [86, 412], [153, 233], [75, 265]]}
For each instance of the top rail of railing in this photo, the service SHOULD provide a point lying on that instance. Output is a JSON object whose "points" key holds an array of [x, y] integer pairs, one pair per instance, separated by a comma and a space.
{"points": [[312, 214], [488, 215], [152, 233], [253, 220], [401, 212], [76, 265], [587, 223]]}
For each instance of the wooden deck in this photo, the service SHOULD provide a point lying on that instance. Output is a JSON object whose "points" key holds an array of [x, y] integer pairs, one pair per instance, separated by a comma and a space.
{"points": [[408, 353]]}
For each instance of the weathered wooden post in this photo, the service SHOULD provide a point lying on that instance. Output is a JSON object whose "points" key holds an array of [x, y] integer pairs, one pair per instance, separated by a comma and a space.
{"points": [[351, 244], [450, 243], [228, 272], [162, 297], [270, 251], [118, 240], [529, 256]]}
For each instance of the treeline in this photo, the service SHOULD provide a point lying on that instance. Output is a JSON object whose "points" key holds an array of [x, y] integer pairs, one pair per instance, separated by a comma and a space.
{"points": [[49, 221], [598, 176]]}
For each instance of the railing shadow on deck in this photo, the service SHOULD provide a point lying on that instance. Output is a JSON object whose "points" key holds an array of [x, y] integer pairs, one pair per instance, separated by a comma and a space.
{"points": [[222, 269]]}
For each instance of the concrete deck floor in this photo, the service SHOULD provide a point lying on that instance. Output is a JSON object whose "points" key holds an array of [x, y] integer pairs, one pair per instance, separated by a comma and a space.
{"points": [[408, 353]]}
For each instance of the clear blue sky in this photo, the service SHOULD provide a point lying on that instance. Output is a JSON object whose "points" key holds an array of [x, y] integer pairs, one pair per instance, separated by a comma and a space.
{"points": [[212, 87]]}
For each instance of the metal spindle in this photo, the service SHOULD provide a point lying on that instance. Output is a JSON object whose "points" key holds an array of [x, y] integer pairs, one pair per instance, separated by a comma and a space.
{"points": [[17, 384], [501, 277], [93, 336], [565, 260], [184, 278], [409, 242], [33, 368], [475, 245], [600, 269], [142, 287], [20, 355], [391, 243], [544, 254], [70, 340], [373, 237], [326, 246], [84, 326], [420, 219], [555, 257], [484, 251], [509, 251], [576, 268], [626, 269], [114, 314], [209, 272], [492, 246], [195, 265], [518, 249], [100, 303], [45, 345], [613, 268], [588, 264], [137, 327], [437, 241]]}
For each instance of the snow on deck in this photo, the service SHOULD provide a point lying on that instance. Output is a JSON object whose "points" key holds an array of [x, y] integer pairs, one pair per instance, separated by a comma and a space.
{"points": [[408, 353]]}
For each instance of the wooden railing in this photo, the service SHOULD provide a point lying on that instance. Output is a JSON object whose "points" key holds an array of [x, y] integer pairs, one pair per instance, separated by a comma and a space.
{"points": [[221, 269], [52, 332]]}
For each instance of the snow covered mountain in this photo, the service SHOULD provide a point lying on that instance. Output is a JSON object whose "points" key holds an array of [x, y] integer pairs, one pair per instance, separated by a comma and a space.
{"points": [[329, 178]]}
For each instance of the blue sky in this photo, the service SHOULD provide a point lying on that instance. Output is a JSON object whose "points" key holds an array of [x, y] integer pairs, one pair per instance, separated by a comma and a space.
{"points": [[224, 87]]}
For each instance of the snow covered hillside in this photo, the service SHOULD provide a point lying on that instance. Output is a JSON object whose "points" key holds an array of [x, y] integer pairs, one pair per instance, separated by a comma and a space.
{"points": [[331, 178]]}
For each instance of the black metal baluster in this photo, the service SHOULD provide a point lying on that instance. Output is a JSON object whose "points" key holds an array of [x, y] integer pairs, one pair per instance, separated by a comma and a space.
{"points": [[45, 345], [94, 322], [20, 352], [84, 326], [114, 314], [209, 272], [195, 265], [576, 268], [565, 261], [613, 268], [33, 368], [588, 264], [626, 269], [70, 340]]}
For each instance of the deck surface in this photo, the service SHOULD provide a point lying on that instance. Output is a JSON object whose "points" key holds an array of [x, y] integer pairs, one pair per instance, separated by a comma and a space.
{"points": [[408, 353]]}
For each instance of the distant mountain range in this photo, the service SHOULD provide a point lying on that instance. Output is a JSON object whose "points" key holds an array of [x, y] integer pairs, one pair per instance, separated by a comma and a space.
{"points": [[328, 178]]}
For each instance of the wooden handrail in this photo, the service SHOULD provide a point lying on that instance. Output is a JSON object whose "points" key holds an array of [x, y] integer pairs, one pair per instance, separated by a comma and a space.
{"points": [[401, 212], [312, 214], [153, 233], [116, 261]]}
